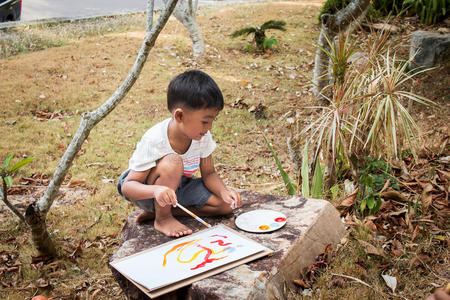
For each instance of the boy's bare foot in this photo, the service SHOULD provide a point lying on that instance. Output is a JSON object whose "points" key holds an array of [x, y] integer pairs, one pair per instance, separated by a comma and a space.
{"points": [[145, 216], [171, 227]]}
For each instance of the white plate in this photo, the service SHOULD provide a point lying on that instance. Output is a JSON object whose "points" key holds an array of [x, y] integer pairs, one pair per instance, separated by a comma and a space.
{"points": [[261, 220]]}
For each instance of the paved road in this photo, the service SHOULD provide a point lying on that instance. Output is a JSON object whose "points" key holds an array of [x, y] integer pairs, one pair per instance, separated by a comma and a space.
{"points": [[44, 9]]}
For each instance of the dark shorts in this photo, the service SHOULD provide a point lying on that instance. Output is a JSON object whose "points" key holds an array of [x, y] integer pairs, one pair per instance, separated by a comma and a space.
{"points": [[190, 192]]}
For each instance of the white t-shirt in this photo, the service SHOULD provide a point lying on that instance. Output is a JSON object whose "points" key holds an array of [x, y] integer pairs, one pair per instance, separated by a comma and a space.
{"points": [[155, 144]]}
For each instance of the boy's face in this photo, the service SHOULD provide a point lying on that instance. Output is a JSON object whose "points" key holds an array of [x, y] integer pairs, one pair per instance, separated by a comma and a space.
{"points": [[196, 122]]}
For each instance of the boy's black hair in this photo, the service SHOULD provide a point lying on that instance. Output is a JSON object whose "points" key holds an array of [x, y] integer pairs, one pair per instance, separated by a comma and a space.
{"points": [[195, 90]]}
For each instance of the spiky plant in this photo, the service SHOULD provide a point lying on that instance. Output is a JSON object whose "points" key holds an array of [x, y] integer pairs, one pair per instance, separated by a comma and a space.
{"points": [[386, 121], [340, 51], [366, 116], [262, 43]]}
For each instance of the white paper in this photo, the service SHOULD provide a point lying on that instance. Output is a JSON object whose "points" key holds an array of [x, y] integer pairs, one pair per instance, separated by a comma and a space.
{"points": [[186, 257]]}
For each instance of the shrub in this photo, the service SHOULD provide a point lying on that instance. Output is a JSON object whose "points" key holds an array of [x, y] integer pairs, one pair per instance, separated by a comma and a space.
{"points": [[366, 116], [429, 11], [332, 6], [259, 34]]}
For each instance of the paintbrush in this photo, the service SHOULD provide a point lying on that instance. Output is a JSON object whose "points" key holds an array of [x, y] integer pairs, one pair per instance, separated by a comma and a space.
{"points": [[193, 215]]}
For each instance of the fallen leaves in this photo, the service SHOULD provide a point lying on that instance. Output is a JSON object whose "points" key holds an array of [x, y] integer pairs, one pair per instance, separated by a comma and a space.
{"points": [[301, 284], [321, 261], [370, 249], [393, 195], [10, 268], [426, 197], [76, 183], [46, 114], [348, 201]]}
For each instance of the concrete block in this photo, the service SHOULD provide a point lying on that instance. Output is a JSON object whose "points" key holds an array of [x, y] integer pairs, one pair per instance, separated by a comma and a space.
{"points": [[311, 226]]}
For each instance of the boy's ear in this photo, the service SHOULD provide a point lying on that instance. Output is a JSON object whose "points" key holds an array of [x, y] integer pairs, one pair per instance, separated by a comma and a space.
{"points": [[178, 114]]}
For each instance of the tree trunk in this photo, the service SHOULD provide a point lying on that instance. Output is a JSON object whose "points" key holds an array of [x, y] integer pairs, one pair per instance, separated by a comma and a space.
{"points": [[185, 14], [39, 235], [260, 37], [331, 26], [37, 211]]}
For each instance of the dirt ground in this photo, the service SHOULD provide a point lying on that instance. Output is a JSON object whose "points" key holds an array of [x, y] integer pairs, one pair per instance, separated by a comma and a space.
{"points": [[44, 93]]}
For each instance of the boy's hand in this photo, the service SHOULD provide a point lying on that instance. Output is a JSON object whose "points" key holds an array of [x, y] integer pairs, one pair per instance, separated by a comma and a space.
{"points": [[165, 196], [231, 197]]}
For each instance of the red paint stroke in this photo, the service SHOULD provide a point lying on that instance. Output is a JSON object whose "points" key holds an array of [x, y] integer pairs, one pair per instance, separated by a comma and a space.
{"points": [[221, 243], [223, 236], [207, 259], [280, 219], [173, 249]]}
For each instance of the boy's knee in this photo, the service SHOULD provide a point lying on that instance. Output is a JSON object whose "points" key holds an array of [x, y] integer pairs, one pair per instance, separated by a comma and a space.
{"points": [[226, 209], [171, 164], [222, 208]]}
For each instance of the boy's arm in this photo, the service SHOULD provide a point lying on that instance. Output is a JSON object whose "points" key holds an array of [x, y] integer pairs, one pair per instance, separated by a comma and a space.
{"points": [[133, 188], [213, 182]]}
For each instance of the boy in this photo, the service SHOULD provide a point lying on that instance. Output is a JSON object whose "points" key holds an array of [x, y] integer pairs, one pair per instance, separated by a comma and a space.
{"points": [[160, 169]]}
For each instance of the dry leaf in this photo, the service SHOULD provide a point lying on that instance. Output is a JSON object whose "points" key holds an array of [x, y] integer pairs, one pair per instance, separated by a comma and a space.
{"points": [[76, 183], [95, 293], [349, 200], [370, 249], [42, 283], [351, 220], [398, 248], [394, 195], [443, 175], [336, 282], [409, 223], [370, 225], [420, 259], [417, 230], [426, 197], [301, 283]]}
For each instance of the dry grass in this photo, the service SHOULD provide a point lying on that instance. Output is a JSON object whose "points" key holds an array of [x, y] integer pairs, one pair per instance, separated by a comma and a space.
{"points": [[84, 72], [37, 37]]}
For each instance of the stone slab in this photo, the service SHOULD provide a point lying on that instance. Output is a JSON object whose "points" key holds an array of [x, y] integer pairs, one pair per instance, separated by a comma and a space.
{"points": [[311, 226], [429, 49]]}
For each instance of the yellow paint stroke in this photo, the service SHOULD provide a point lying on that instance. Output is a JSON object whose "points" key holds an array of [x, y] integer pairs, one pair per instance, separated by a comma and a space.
{"points": [[195, 255], [175, 248]]}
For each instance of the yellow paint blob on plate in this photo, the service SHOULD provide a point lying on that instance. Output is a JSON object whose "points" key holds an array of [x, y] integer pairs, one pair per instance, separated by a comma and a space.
{"points": [[264, 227]]}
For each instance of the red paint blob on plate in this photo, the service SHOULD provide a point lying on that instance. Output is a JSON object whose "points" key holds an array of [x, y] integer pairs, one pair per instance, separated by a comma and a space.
{"points": [[264, 227], [280, 219]]}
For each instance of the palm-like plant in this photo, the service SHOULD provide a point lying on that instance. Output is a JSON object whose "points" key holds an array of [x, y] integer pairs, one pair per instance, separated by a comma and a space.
{"points": [[262, 43]]}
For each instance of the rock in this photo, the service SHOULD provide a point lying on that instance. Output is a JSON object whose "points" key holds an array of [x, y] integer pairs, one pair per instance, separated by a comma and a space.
{"points": [[429, 49], [443, 30], [311, 226], [359, 60]]}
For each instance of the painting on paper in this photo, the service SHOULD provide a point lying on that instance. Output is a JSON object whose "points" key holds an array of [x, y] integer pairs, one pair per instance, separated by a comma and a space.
{"points": [[186, 257]]}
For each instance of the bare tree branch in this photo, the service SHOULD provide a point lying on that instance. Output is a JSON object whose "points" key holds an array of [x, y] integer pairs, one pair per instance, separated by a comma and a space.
{"points": [[90, 119], [35, 214], [4, 196]]}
